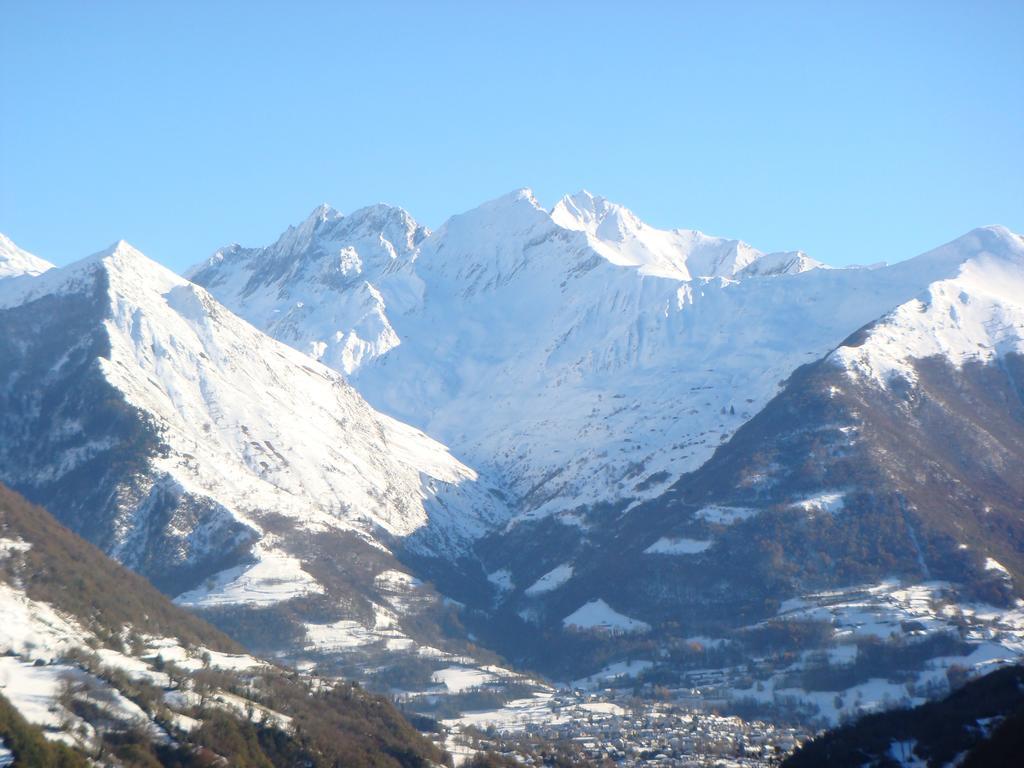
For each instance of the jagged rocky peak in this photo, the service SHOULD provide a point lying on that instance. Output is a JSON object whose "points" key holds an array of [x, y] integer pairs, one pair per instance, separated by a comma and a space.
{"points": [[298, 238], [325, 226], [326, 246], [392, 223], [15, 261]]}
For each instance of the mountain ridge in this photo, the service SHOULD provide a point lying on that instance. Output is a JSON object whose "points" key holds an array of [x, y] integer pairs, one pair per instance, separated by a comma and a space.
{"points": [[233, 471], [628, 431]]}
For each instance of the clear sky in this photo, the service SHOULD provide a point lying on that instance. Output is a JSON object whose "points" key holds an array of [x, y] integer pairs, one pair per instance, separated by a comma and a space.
{"points": [[856, 131]]}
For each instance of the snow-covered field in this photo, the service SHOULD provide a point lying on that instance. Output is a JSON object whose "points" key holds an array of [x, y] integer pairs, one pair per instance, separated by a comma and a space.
{"points": [[551, 580], [670, 546], [274, 577], [597, 614], [458, 679]]}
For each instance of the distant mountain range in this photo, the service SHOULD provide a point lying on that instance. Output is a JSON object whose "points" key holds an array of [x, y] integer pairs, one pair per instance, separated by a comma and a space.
{"points": [[565, 436]]}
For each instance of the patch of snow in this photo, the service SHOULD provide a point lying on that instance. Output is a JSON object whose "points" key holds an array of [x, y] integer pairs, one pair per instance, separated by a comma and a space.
{"points": [[551, 580], [502, 579], [725, 515], [829, 502], [274, 578], [991, 564], [34, 629], [673, 546], [598, 615], [613, 672], [397, 581], [458, 679], [35, 692]]}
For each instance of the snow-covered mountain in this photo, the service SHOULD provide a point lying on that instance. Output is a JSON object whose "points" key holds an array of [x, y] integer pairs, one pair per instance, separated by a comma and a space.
{"points": [[878, 496], [216, 461], [698, 439], [665, 435], [577, 356], [15, 261]]}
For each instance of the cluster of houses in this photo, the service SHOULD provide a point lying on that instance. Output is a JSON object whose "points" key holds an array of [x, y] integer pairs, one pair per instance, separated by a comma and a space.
{"points": [[642, 734]]}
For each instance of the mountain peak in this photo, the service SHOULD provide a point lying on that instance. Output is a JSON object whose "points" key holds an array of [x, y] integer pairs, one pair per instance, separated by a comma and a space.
{"points": [[522, 198], [988, 242], [15, 261], [622, 238], [120, 249], [122, 257], [585, 211], [516, 211], [322, 213]]}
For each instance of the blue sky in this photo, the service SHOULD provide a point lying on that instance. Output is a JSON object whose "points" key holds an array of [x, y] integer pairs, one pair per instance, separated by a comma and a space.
{"points": [[856, 131]]}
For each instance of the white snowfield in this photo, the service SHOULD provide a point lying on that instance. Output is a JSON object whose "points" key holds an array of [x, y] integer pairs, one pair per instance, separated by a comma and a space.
{"points": [[458, 679], [551, 580], [598, 615], [573, 356], [671, 546], [502, 580], [274, 578], [257, 427]]}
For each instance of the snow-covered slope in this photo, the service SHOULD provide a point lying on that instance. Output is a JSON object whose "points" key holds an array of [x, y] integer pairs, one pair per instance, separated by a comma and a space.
{"points": [[229, 438], [15, 262], [578, 380], [99, 660], [889, 466], [580, 356], [976, 315]]}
